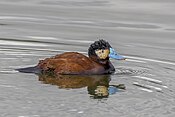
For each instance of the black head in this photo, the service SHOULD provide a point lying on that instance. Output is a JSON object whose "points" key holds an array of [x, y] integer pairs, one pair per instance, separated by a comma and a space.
{"points": [[99, 49]]}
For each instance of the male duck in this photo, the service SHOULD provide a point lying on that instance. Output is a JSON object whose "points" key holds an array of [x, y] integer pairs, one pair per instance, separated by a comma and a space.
{"points": [[76, 63]]}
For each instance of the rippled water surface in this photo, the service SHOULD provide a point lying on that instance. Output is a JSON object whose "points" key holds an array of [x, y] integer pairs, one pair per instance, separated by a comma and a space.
{"points": [[143, 31]]}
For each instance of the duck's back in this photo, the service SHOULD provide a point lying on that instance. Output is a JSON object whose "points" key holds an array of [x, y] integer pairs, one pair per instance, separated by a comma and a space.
{"points": [[69, 63]]}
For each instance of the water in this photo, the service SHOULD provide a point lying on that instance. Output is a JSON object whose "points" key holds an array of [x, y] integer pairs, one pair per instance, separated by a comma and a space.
{"points": [[143, 31]]}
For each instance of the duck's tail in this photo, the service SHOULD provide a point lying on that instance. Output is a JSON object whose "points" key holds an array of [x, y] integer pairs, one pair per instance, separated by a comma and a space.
{"points": [[34, 70]]}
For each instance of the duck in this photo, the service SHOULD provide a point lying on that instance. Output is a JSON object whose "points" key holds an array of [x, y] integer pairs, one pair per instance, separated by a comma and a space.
{"points": [[73, 63]]}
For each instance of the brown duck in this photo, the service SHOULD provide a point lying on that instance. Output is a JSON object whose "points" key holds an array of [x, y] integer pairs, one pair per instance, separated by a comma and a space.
{"points": [[98, 61]]}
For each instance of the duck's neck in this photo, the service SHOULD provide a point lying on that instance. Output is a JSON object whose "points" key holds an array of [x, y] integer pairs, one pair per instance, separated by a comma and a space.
{"points": [[104, 62], [107, 65]]}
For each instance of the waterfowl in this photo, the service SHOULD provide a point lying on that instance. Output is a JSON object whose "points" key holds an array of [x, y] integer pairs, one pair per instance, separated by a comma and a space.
{"points": [[97, 61]]}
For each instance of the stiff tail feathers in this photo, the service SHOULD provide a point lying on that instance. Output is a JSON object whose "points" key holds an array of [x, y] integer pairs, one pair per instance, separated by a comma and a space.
{"points": [[34, 69]]}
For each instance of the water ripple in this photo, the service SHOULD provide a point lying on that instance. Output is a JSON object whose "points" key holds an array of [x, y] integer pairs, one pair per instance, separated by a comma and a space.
{"points": [[76, 3], [151, 60], [60, 39], [148, 79], [130, 71], [9, 41]]}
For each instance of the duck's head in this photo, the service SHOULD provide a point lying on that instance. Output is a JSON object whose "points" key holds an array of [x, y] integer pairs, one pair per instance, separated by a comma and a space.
{"points": [[100, 51]]}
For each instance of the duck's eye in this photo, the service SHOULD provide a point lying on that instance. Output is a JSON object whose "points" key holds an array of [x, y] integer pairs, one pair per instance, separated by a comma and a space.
{"points": [[102, 51]]}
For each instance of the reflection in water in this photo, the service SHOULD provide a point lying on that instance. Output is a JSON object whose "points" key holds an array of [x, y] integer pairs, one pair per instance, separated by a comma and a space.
{"points": [[97, 85]]}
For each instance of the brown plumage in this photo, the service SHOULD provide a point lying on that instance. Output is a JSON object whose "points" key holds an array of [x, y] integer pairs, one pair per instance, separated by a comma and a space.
{"points": [[71, 63], [97, 61], [76, 63]]}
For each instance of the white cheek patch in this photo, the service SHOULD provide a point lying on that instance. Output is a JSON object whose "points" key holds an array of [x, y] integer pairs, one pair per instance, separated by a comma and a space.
{"points": [[102, 54]]}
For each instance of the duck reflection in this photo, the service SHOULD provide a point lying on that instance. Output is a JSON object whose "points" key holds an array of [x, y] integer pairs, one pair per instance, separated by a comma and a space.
{"points": [[97, 85]]}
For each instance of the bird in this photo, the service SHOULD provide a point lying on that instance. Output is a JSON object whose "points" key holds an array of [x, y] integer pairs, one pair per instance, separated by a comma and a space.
{"points": [[73, 63]]}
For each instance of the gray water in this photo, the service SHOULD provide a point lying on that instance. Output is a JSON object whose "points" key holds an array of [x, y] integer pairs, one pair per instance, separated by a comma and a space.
{"points": [[141, 30]]}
